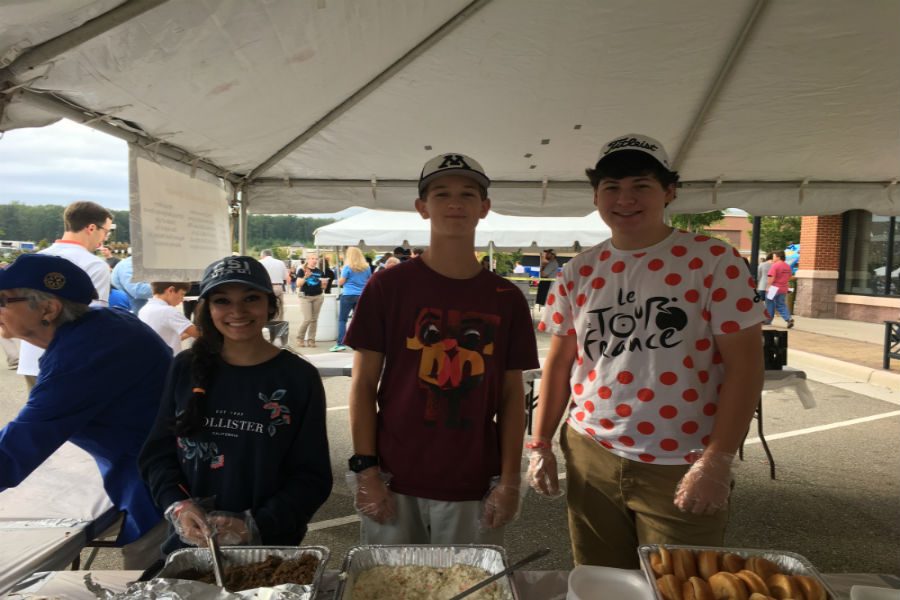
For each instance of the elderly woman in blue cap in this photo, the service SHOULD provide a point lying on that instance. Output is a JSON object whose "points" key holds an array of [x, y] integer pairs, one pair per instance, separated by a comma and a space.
{"points": [[101, 378], [239, 447]]}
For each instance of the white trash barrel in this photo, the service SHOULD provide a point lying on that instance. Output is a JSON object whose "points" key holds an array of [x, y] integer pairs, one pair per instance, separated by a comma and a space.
{"points": [[326, 329]]}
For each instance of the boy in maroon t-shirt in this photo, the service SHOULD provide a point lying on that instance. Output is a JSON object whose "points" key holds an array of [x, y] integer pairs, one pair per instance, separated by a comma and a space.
{"points": [[436, 398]]}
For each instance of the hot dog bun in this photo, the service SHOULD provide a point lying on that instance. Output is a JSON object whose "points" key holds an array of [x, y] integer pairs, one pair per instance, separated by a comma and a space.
{"points": [[697, 589], [727, 586], [670, 587], [661, 562]]}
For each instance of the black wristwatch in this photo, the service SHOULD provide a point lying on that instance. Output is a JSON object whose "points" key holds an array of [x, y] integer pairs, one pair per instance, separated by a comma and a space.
{"points": [[361, 462]]}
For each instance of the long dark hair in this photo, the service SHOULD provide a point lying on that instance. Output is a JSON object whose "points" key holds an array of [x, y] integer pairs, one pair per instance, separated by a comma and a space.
{"points": [[205, 353]]}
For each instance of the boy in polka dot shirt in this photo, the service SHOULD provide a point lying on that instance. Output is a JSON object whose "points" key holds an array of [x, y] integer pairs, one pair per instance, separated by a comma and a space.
{"points": [[656, 362]]}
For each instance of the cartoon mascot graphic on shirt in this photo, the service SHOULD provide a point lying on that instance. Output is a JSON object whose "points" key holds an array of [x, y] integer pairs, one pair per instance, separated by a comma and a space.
{"points": [[453, 345]]}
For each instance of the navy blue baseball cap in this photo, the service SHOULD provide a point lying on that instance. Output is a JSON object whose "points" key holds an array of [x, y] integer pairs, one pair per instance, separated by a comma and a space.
{"points": [[51, 275], [235, 269]]}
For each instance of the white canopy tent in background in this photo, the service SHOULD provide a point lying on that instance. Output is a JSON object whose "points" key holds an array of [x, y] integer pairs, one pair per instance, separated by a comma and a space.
{"points": [[777, 107], [385, 229]]}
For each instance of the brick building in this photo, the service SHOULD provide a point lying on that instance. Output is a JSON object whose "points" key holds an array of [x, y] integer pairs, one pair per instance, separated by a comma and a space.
{"points": [[849, 267]]}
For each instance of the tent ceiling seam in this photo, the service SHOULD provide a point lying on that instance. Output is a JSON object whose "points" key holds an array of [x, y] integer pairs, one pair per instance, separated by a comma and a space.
{"points": [[713, 93], [363, 92]]}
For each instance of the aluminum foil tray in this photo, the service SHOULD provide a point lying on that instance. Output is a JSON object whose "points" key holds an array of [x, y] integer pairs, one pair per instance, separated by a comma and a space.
{"points": [[490, 558], [198, 558], [790, 563]]}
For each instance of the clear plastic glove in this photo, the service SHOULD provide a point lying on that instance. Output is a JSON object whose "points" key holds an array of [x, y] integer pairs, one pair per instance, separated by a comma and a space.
{"points": [[500, 505], [189, 520], [542, 470], [234, 529], [706, 486], [372, 495]]}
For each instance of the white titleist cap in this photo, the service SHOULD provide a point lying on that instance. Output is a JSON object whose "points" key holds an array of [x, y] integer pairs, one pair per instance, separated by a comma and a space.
{"points": [[641, 143]]}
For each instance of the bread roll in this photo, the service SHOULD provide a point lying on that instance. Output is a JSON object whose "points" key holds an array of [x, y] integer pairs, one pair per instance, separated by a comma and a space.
{"points": [[754, 582], [708, 563], [684, 564], [727, 586], [763, 567], [670, 587], [661, 562], [760, 597], [697, 589], [732, 562], [781, 587], [812, 589]]}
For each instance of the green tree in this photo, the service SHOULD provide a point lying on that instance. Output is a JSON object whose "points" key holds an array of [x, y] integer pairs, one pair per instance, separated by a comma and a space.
{"points": [[777, 233], [698, 223]]}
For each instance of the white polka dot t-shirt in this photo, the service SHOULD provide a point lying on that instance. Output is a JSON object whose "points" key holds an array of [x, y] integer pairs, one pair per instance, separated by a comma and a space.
{"points": [[646, 378]]}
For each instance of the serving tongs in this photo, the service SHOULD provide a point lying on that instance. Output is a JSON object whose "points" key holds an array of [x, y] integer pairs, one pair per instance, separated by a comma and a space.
{"points": [[503, 573], [218, 561]]}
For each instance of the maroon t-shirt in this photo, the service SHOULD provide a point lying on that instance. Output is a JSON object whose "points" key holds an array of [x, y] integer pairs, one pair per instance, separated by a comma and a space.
{"points": [[780, 272], [446, 345]]}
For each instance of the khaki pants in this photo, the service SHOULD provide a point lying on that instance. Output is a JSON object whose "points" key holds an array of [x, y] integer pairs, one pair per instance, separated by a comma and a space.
{"points": [[616, 504], [278, 288], [309, 316]]}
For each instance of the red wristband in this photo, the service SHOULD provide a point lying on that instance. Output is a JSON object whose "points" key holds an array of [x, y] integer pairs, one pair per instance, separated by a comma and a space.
{"points": [[538, 444]]}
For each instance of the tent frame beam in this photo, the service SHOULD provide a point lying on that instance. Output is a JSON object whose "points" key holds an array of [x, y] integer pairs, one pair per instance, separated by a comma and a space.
{"points": [[722, 76], [436, 36]]}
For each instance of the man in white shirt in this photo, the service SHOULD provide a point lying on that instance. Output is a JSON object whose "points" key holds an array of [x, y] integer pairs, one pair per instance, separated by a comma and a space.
{"points": [[87, 225], [279, 275]]}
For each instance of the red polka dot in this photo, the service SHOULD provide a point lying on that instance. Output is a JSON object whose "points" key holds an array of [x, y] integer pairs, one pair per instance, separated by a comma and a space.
{"points": [[703, 345], [668, 378], [695, 264], [578, 389], [701, 238], [542, 326], [646, 427], [744, 304], [707, 281], [623, 410], [618, 267], [690, 395], [562, 290], [570, 285], [605, 254], [645, 395], [580, 360], [668, 412], [606, 424], [604, 392], [592, 375], [735, 252], [586, 270], [673, 278], [625, 377], [570, 331], [606, 444], [579, 416], [717, 250], [703, 376], [690, 427], [705, 440], [598, 282], [706, 314], [581, 299], [719, 294], [730, 327], [557, 318], [626, 441], [679, 250], [589, 406], [688, 362], [590, 431], [692, 295], [669, 445], [710, 409], [717, 359], [648, 458], [640, 255], [732, 272], [551, 299], [751, 284], [655, 264]]}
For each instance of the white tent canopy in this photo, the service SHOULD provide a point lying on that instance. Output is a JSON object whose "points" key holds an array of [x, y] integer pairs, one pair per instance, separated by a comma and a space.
{"points": [[789, 107], [385, 229]]}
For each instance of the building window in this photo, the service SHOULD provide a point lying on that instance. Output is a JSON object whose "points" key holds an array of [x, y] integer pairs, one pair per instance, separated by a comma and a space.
{"points": [[870, 258]]}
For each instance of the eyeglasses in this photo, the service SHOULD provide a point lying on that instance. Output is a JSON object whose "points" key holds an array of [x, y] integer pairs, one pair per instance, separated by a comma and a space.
{"points": [[11, 299]]}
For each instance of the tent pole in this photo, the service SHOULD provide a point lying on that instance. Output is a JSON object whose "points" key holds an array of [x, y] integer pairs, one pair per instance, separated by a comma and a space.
{"points": [[242, 225], [360, 94], [754, 247], [491, 256]]}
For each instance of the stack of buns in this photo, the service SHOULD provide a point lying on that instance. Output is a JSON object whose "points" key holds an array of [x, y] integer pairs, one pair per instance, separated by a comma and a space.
{"points": [[683, 574]]}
